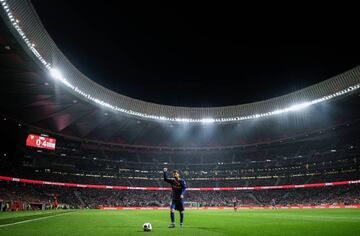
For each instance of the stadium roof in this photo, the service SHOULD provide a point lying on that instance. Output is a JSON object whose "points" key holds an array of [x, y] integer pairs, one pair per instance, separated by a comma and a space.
{"points": [[25, 25], [31, 96]]}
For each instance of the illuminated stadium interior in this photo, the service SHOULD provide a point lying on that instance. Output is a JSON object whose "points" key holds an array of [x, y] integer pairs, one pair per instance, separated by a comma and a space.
{"points": [[68, 138]]}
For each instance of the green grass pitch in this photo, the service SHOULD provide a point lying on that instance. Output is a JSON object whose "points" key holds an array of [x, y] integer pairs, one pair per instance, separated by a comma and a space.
{"points": [[197, 222]]}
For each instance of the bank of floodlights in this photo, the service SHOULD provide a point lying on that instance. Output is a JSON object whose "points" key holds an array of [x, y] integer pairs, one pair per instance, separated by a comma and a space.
{"points": [[58, 76]]}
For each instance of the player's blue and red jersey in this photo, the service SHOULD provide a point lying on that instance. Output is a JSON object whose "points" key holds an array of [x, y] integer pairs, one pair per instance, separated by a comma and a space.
{"points": [[178, 187]]}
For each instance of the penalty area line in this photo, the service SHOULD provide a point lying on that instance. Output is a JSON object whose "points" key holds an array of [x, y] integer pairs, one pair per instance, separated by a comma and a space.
{"points": [[40, 218]]}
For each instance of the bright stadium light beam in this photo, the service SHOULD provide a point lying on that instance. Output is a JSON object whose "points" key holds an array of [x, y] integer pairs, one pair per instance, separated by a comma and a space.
{"points": [[207, 120], [298, 107], [183, 120], [56, 74]]}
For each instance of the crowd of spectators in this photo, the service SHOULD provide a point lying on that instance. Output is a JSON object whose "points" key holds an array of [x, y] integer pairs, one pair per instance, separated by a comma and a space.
{"points": [[93, 198]]}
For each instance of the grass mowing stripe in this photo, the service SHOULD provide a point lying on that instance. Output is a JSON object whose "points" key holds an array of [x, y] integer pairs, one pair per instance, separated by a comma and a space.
{"points": [[12, 214], [20, 220], [310, 217]]}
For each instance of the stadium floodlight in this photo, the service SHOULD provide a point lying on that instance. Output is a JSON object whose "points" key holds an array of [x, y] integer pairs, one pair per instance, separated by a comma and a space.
{"points": [[183, 120], [56, 74], [300, 106], [207, 120]]}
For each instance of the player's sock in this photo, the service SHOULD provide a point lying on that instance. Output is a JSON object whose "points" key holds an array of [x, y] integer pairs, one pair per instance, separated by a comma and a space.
{"points": [[172, 216], [181, 217]]}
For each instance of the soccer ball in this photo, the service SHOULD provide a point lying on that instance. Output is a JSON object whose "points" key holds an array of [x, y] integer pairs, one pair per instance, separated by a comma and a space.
{"points": [[147, 227]]}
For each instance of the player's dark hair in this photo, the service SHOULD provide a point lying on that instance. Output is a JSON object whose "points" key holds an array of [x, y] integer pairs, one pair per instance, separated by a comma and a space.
{"points": [[176, 171]]}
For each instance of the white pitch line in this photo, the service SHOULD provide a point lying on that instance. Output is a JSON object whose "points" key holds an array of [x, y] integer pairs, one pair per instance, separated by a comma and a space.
{"points": [[41, 218]]}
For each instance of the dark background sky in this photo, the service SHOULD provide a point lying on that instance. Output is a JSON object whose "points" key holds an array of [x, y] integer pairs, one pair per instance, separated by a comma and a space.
{"points": [[202, 55]]}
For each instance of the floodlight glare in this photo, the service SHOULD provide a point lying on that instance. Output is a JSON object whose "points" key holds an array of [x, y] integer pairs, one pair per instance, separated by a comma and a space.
{"points": [[56, 74], [300, 106], [207, 120]]}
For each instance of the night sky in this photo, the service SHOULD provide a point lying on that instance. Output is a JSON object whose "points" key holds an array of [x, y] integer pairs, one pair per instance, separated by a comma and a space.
{"points": [[200, 55]]}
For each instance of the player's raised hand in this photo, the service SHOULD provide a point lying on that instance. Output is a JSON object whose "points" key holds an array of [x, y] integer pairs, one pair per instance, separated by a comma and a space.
{"points": [[165, 169]]}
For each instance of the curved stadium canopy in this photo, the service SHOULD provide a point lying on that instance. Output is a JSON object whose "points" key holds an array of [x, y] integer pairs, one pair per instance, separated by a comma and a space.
{"points": [[24, 23]]}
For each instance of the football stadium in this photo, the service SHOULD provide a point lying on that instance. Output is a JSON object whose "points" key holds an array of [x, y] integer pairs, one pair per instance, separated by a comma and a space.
{"points": [[78, 157]]}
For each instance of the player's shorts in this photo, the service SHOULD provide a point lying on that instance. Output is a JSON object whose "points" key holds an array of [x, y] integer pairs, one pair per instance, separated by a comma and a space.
{"points": [[177, 205]]}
